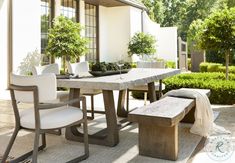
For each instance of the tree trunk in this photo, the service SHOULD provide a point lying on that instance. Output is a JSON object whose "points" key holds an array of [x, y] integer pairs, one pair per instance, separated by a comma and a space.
{"points": [[64, 63], [227, 63]]}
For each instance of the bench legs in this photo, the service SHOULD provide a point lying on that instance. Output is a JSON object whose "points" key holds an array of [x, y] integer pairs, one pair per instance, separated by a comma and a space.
{"points": [[158, 141]]}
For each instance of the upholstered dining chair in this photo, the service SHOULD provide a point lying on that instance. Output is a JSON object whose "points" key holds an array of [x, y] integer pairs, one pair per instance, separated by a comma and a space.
{"points": [[144, 88], [51, 68], [43, 116], [81, 69], [61, 95]]}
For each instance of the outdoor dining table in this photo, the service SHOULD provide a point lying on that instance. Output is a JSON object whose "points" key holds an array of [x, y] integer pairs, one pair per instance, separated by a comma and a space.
{"points": [[137, 76]]}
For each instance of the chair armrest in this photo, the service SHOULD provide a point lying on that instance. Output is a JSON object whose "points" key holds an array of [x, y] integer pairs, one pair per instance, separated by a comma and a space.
{"points": [[55, 105]]}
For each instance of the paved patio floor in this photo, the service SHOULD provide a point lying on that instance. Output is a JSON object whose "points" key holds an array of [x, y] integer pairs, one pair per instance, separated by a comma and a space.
{"points": [[225, 119]]}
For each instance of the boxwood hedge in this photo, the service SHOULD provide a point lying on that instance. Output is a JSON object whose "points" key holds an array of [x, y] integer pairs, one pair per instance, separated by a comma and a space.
{"points": [[222, 91], [215, 67]]}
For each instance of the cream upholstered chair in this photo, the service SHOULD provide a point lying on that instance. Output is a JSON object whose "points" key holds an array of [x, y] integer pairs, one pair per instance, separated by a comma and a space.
{"points": [[81, 69], [43, 116], [61, 95], [51, 68], [144, 88]]}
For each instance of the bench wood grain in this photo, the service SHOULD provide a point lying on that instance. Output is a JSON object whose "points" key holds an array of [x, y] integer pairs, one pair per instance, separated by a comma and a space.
{"points": [[158, 125]]}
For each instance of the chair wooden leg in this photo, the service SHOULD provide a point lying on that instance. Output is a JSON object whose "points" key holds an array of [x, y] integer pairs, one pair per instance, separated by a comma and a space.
{"points": [[43, 140], [92, 111], [86, 145], [127, 100], [11, 142], [36, 144], [92, 107]]}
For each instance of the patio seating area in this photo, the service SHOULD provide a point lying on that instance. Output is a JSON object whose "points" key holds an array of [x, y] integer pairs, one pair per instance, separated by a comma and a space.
{"points": [[117, 81], [61, 150]]}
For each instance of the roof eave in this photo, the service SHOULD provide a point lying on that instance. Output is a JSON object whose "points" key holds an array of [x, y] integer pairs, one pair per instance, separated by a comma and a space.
{"points": [[140, 6]]}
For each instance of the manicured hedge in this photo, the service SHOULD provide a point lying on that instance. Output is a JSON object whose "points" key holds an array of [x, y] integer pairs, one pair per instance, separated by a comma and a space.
{"points": [[231, 69], [215, 67], [222, 91], [209, 67]]}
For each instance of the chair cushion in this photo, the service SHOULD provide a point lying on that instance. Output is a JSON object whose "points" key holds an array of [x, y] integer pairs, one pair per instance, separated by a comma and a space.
{"points": [[51, 118], [46, 84], [145, 87], [50, 68]]}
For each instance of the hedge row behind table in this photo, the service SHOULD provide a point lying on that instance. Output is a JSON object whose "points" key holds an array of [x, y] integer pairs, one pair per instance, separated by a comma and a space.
{"points": [[110, 135]]}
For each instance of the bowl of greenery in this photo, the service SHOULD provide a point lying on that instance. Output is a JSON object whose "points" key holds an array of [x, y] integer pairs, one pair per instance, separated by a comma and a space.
{"points": [[103, 68]]}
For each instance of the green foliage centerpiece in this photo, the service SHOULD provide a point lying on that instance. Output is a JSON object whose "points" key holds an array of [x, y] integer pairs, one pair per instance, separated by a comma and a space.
{"points": [[142, 44], [65, 40]]}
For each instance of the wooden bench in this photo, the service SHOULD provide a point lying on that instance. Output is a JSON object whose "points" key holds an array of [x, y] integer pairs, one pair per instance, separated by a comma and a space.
{"points": [[158, 125]]}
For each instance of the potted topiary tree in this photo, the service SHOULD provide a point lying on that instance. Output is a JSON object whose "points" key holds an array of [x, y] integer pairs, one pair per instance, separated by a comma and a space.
{"points": [[65, 40], [142, 44]]}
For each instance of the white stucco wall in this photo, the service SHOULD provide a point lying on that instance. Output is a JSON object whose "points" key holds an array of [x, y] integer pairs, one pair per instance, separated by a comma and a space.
{"points": [[114, 33], [152, 28], [26, 29], [167, 44], [135, 21], [3, 45]]}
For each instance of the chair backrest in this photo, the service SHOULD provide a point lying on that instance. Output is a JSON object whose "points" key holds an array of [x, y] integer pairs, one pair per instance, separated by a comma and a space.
{"points": [[51, 68], [46, 84], [151, 64], [78, 68]]}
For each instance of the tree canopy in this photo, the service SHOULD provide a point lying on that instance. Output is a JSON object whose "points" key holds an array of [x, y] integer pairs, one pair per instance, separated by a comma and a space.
{"points": [[182, 13], [142, 44], [65, 40], [218, 33]]}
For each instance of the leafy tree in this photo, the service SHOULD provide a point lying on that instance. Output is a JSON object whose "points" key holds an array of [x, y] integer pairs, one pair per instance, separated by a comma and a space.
{"points": [[65, 40], [165, 12], [142, 44], [193, 33], [195, 9], [180, 13], [218, 33], [222, 4]]}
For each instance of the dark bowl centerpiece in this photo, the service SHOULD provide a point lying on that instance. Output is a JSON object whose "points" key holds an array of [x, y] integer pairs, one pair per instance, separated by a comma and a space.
{"points": [[103, 69]]}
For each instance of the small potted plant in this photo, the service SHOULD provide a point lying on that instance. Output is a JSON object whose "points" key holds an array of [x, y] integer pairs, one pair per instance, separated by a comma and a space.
{"points": [[65, 40], [142, 44]]}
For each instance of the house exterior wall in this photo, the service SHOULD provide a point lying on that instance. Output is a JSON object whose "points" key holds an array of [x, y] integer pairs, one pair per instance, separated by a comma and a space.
{"points": [[119, 24], [135, 21], [26, 30], [152, 28], [114, 32], [116, 27], [167, 44], [166, 38], [3, 45]]}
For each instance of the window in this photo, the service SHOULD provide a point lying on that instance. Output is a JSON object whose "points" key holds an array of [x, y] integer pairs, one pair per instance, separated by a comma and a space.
{"points": [[45, 25], [91, 29], [69, 9]]}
